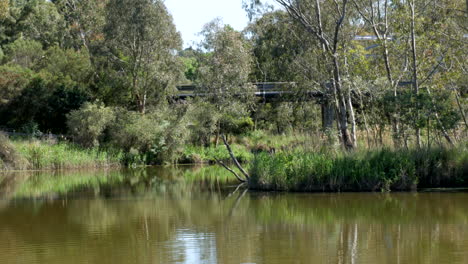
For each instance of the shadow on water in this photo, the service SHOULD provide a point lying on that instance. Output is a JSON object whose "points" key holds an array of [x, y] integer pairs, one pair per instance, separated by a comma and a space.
{"points": [[197, 215]]}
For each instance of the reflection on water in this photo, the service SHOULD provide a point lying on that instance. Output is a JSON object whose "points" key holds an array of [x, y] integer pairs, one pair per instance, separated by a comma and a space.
{"points": [[186, 215]]}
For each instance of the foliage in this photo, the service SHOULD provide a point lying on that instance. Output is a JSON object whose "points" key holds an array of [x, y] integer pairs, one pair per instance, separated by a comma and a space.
{"points": [[50, 155], [141, 39], [44, 24], [360, 171], [13, 79], [87, 124], [22, 52], [223, 76], [275, 49], [203, 119], [66, 65], [138, 133]]}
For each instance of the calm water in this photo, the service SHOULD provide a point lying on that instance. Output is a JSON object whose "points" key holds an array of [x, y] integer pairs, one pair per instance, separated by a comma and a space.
{"points": [[184, 215]]}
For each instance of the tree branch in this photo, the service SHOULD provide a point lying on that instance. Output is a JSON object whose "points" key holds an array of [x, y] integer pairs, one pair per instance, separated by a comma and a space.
{"points": [[236, 162], [230, 170]]}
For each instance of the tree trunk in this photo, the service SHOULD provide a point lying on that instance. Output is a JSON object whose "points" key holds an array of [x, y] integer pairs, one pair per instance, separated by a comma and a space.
{"points": [[342, 111], [415, 71], [352, 119]]}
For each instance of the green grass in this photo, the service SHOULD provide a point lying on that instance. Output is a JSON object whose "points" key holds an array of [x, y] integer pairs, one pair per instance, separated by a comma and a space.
{"points": [[198, 154], [45, 155], [368, 170]]}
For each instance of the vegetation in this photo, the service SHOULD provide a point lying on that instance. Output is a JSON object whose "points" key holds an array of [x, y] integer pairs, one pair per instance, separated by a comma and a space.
{"points": [[359, 89], [381, 169], [9, 156], [35, 154]]}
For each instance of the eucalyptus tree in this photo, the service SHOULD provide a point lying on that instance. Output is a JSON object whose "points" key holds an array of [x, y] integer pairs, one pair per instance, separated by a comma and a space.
{"points": [[284, 52], [275, 47], [325, 21], [12, 19], [142, 41], [84, 20], [435, 43], [45, 24], [380, 17], [223, 74]]}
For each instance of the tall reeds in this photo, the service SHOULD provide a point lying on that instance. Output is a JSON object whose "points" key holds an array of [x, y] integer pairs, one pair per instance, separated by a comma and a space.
{"points": [[370, 170]]}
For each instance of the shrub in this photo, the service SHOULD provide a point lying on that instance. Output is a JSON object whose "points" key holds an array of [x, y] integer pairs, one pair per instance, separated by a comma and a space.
{"points": [[202, 119], [140, 132], [87, 124]]}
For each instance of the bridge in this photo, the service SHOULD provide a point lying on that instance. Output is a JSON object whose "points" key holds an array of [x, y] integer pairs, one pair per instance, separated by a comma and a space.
{"points": [[266, 90]]}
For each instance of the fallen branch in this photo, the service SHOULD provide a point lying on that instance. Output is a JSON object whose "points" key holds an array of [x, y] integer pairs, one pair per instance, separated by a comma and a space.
{"points": [[230, 170], [236, 162]]}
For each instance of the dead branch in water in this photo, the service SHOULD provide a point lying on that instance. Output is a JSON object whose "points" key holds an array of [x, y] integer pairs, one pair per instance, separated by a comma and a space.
{"points": [[236, 162], [230, 170]]}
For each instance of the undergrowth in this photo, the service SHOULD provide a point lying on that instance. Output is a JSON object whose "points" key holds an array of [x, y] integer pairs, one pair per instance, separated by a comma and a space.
{"points": [[369, 170]]}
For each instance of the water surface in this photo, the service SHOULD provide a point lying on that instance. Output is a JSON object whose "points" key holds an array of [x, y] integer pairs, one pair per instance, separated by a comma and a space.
{"points": [[194, 215]]}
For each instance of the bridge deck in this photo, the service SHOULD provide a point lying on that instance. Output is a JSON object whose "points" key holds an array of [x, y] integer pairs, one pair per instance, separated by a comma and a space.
{"points": [[265, 90]]}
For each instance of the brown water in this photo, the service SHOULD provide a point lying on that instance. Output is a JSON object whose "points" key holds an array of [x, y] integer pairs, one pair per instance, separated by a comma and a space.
{"points": [[191, 216]]}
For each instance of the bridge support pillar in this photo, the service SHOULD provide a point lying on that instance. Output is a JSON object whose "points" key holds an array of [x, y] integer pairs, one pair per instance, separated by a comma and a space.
{"points": [[328, 115]]}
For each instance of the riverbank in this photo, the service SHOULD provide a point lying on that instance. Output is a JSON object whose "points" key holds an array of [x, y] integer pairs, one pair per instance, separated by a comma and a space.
{"points": [[272, 165], [31, 154], [369, 170]]}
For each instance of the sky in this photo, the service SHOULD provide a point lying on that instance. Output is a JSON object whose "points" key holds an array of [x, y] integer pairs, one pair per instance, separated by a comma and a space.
{"points": [[191, 15]]}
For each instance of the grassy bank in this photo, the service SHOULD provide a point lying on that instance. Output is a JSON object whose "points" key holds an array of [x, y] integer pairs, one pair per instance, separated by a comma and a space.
{"points": [[370, 170], [25, 154], [198, 154], [244, 147]]}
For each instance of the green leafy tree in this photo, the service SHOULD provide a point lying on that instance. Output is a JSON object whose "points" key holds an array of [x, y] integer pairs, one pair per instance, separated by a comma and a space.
{"points": [[22, 52], [66, 65], [84, 20], [13, 79], [45, 25], [224, 72], [142, 41]]}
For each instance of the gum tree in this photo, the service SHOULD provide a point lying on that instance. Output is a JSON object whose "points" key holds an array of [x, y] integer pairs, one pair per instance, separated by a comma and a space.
{"points": [[142, 41]]}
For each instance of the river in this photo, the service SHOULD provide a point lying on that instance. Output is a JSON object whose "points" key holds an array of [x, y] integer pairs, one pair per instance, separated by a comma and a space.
{"points": [[196, 215]]}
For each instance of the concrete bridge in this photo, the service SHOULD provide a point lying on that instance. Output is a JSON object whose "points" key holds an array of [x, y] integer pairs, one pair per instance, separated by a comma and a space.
{"points": [[266, 90]]}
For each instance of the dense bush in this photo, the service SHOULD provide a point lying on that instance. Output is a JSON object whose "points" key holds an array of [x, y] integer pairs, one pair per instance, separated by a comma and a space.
{"points": [[138, 134], [203, 119], [87, 124]]}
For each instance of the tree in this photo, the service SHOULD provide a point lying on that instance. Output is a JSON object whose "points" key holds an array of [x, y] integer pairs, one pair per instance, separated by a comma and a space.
{"points": [[142, 40], [325, 21], [224, 72], [45, 25], [22, 52], [275, 49], [84, 20], [380, 16]]}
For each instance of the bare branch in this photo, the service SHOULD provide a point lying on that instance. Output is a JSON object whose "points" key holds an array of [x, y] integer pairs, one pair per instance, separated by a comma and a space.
{"points": [[230, 170], [236, 162]]}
